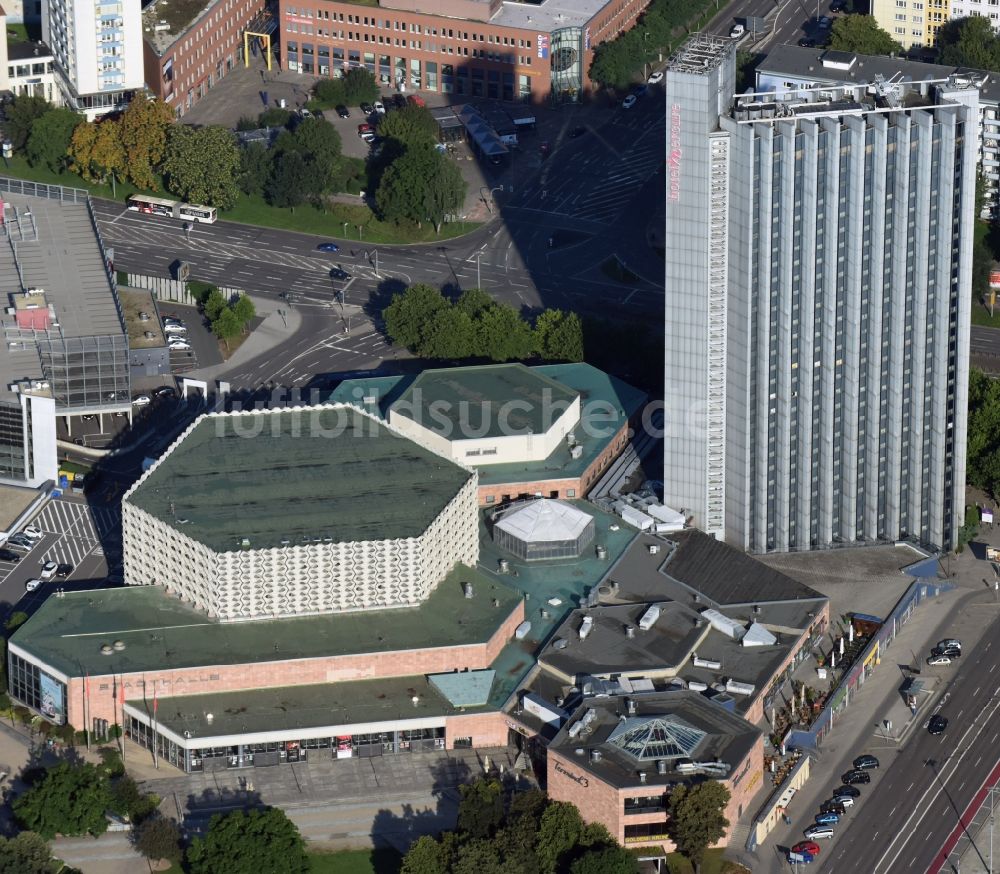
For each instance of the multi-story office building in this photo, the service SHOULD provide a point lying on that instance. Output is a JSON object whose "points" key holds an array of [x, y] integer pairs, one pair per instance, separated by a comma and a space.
{"points": [[787, 68], [817, 273], [480, 48], [97, 46], [188, 49], [65, 353]]}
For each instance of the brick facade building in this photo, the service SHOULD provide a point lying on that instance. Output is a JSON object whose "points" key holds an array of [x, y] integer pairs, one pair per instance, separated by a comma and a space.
{"points": [[473, 48]]}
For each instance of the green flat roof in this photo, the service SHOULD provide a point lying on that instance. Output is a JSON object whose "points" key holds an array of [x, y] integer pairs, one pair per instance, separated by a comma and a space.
{"points": [[466, 402], [161, 633], [306, 474], [606, 403], [305, 707]]}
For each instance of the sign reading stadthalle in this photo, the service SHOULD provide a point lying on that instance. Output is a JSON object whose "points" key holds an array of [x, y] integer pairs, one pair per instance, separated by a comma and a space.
{"points": [[674, 154]]}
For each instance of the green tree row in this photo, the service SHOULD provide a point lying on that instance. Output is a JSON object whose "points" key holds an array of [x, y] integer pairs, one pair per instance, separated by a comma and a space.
{"points": [[356, 87], [475, 326], [983, 456], [227, 319]]}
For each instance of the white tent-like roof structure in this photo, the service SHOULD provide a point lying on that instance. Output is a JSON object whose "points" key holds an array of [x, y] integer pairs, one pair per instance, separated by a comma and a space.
{"points": [[758, 635], [545, 521]]}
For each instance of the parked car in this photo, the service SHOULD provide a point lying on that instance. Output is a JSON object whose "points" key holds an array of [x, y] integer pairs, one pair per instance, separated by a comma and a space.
{"points": [[950, 643], [816, 832], [31, 585], [736, 31], [807, 42], [399, 101], [838, 6], [824, 22], [367, 108], [827, 818], [165, 392], [855, 776], [937, 724], [655, 78], [953, 652], [379, 107], [48, 571], [33, 533], [172, 320], [810, 847], [64, 570], [328, 247], [343, 111], [629, 101], [842, 792], [179, 345], [836, 805], [9, 555], [366, 132], [19, 541], [144, 400], [305, 113], [939, 660], [174, 329], [866, 762]]}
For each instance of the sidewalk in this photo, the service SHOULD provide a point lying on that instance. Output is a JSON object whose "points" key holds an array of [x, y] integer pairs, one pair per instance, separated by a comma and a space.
{"points": [[281, 322]]}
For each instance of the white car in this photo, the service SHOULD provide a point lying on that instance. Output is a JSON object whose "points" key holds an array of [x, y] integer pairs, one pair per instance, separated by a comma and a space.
{"points": [[33, 533], [736, 31], [845, 800], [178, 344], [939, 660], [629, 101], [655, 78], [141, 401], [31, 585], [379, 107], [48, 571], [175, 329], [172, 323]]}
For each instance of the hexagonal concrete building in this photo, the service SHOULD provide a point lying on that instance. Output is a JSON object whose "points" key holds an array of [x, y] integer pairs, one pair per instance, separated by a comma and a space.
{"points": [[298, 511]]}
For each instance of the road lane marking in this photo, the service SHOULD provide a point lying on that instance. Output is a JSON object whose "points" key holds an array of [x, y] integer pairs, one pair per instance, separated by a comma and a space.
{"points": [[908, 788]]}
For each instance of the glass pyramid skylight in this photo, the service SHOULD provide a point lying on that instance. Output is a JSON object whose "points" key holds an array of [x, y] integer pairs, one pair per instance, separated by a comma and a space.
{"points": [[656, 737]]}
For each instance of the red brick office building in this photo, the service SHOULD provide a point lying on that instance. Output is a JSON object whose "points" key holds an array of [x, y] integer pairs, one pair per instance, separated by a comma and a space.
{"points": [[474, 48]]}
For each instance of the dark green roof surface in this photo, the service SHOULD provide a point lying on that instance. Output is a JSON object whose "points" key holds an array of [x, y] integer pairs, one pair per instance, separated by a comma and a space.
{"points": [[160, 632], [305, 707], [606, 404], [467, 400], [294, 480]]}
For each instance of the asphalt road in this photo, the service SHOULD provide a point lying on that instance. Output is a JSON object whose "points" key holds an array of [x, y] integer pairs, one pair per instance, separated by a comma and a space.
{"points": [[916, 798], [790, 21]]}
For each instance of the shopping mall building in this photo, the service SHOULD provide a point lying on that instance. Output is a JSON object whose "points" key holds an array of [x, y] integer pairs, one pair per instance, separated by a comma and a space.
{"points": [[478, 48], [329, 581]]}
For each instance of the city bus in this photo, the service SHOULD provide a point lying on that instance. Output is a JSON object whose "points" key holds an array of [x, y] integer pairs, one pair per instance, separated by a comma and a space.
{"points": [[172, 208]]}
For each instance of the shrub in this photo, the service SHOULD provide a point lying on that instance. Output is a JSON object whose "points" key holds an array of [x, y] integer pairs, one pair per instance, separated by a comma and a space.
{"points": [[159, 838]]}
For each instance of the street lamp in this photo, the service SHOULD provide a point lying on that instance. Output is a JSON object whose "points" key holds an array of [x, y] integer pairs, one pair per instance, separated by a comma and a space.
{"points": [[479, 281], [359, 231]]}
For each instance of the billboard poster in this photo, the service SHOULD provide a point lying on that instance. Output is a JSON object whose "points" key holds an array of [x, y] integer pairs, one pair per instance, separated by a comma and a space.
{"points": [[543, 46], [586, 40], [53, 704]]}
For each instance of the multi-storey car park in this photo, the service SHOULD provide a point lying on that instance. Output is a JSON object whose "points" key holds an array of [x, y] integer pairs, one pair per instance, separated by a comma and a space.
{"points": [[65, 351], [382, 606]]}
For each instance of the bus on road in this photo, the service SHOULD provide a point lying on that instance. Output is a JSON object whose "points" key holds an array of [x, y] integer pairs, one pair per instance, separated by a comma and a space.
{"points": [[191, 212]]}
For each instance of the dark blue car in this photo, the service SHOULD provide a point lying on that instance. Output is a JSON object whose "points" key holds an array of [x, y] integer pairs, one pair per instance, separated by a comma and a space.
{"points": [[328, 247]]}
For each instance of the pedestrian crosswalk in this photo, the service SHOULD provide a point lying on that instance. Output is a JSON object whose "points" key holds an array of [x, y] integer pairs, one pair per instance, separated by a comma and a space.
{"points": [[83, 528]]}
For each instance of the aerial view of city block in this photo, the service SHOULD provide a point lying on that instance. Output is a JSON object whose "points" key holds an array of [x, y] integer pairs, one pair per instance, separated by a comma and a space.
{"points": [[499, 436]]}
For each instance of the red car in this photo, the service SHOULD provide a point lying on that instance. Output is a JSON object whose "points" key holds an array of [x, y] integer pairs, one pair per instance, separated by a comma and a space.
{"points": [[810, 847]]}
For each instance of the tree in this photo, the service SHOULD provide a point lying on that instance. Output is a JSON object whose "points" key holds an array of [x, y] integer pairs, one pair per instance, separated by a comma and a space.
{"points": [[969, 42], [605, 860], [244, 311], [255, 169], [96, 152], [425, 856], [202, 165], [410, 125], [26, 853], [289, 182], [861, 34], [227, 326], [360, 87], [143, 128], [477, 856], [474, 301], [318, 142], [20, 116], [249, 842], [69, 799], [502, 335], [50, 137], [159, 838], [213, 304], [559, 832], [410, 314], [451, 334], [16, 620], [330, 92], [480, 810], [421, 184], [983, 447], [559, 336], [613, 65], [697, 819], [445, 189], [274, 116]]}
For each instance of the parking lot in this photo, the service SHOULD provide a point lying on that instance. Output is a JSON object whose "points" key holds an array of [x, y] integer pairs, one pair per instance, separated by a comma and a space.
{"points": [[74, 532]]}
